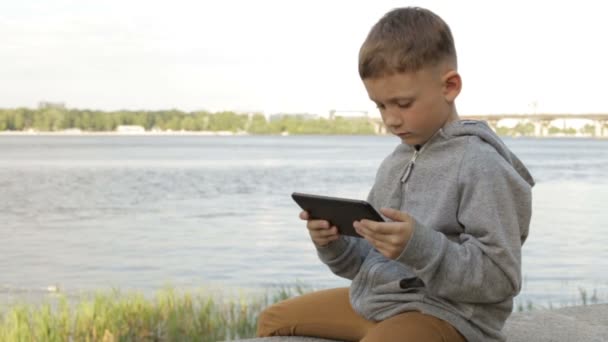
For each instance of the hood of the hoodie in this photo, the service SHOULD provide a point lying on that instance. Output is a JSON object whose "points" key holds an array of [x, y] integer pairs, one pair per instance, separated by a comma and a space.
{"points": [[484, 132]]}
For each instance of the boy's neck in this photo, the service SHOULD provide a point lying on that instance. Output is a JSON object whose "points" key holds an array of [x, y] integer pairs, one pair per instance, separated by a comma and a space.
{"points": [[453, 116]]}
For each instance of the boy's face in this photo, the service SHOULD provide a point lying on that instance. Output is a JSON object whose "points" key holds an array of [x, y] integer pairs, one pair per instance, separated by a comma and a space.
{"points": [[414, 105]]}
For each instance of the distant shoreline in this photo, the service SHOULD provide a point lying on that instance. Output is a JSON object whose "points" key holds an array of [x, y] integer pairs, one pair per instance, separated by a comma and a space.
{"points": [[165, 133], [112, 133], [233, 134]]}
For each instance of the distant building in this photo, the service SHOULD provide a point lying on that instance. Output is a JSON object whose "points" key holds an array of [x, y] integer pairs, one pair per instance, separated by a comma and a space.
{"points": [[72, 131], [49, 105], [348, 114], [130, 129], [303, 116]]}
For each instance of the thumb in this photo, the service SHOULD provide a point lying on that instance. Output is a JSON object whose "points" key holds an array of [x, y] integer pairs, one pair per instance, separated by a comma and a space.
{"points": [[395, 215]]}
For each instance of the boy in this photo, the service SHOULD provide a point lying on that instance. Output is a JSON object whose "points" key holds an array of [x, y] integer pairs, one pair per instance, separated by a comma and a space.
{"points": [[447, 263]]}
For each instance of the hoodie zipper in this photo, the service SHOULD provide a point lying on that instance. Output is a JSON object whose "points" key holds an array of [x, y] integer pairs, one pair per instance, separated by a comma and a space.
{"points": [[410, 166]]}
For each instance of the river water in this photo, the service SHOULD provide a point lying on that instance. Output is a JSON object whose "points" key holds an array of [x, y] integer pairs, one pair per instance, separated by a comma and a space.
{"points": [[141, 212]]}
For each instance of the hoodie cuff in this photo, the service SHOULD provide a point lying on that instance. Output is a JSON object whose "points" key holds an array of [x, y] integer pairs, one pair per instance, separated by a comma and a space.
{"points": [[332, 250], [424, 245]]}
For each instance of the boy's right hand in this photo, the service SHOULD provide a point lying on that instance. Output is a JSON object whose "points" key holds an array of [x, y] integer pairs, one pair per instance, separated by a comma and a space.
{"points": [[320, 231]]}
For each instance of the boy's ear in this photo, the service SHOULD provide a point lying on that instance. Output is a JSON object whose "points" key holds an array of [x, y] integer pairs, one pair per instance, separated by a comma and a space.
{"points": [[452, 84]]}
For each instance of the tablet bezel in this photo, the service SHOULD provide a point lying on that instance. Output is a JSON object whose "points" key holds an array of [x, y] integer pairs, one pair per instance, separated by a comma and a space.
{"points": [[337, 210]]}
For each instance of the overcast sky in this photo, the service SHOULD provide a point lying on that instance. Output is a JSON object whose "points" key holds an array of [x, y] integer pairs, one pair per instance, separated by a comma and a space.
{"points": [[289, 56]]}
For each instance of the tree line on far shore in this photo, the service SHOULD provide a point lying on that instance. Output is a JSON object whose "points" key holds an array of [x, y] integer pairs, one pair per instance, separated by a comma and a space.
{"points": [[59, 119]]}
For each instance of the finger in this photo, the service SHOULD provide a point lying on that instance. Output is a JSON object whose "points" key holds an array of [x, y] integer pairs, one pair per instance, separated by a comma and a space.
{"points": [[323, 242], [376, 238], [389, 250], [317, 224], [370, 240], [361, 229], [325, 233], [304, 215], [322, 237], [386, 240], [365, 230], [382, 228], [373, 226], [395, 215]]}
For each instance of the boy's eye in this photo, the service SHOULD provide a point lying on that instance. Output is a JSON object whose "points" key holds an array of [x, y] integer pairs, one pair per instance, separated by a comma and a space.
{"points": [[379, 106], [404, 105]]}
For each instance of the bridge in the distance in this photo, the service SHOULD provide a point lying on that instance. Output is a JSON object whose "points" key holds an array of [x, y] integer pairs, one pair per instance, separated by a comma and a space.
{"points": [[541, 122]]}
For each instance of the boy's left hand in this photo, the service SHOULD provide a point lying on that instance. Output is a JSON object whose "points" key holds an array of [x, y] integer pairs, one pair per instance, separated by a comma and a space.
{"points": [[389, 238]]}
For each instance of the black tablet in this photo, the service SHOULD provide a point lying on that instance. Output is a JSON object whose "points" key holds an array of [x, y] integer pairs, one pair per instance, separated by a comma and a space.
{"points": [[340, 212]]}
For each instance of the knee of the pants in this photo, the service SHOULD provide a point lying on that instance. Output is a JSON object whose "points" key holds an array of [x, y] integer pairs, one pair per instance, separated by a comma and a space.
{"points": [[269, 321], [413, 326]]}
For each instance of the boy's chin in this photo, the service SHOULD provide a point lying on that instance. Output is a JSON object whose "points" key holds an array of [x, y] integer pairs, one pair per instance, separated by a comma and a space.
{"points": [[411, 139]]}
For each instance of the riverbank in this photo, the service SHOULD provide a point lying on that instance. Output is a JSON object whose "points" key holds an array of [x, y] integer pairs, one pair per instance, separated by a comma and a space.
{"points": [[170, 315], [212, 315]]}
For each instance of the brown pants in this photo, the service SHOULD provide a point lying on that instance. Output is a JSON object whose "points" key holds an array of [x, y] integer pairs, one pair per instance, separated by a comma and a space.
{"points": [[328, 314]]}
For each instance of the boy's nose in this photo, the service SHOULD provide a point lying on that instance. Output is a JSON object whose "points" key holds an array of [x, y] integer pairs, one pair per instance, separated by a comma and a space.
{"points": [[392, 119]]}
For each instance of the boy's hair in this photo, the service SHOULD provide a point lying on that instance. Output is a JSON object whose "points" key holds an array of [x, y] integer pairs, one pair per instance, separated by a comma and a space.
{"points": [[405, 40]]}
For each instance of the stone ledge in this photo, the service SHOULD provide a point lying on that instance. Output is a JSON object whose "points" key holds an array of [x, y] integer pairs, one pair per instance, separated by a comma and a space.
{"points": [[587, 323]]}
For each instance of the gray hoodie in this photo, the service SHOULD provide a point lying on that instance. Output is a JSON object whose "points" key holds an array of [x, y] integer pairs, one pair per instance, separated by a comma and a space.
{"points": [[470, 198]]}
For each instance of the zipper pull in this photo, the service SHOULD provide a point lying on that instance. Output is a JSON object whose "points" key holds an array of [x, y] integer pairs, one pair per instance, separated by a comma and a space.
{"points": [[409, 168], [407, 172]]}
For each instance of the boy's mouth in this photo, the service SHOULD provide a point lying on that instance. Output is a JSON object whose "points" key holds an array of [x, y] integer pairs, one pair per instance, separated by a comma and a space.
{"points": [[404, 135]]}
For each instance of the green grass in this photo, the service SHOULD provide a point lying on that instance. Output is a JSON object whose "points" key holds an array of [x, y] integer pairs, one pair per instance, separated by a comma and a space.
{"points": [[170, 315], [116, 316]]}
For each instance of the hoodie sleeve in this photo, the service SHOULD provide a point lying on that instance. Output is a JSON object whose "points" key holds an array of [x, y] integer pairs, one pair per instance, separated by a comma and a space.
{"points": [[345, 256], [484, 266]]}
